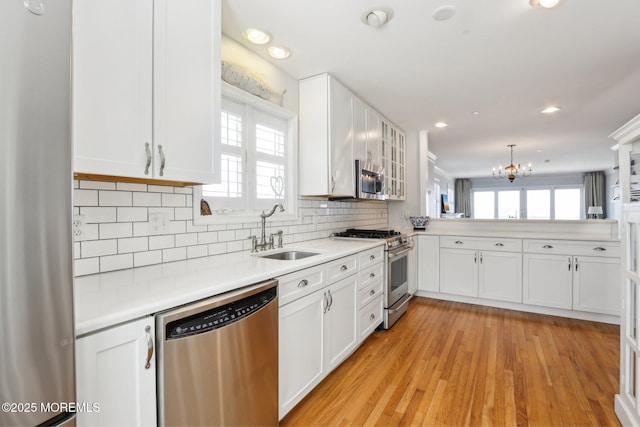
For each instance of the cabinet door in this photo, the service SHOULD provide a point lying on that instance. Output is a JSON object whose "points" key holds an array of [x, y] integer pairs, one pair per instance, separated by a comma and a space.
{"points": [[360, 149], [111, 370], [112, 86], [341, 335], [301, 349], [547, 280], [459, 272], [186, 98], [428, 263], [373, 137], [500, 276], [342, 165], [596, 285]]}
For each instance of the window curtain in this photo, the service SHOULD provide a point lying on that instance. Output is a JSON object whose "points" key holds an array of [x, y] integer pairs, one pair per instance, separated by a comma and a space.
{"points": [[463, 197], [594, 191]]}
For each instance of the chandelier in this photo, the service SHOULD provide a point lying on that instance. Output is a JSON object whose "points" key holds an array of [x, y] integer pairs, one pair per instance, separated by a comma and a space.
{"points": [[512, 171]]}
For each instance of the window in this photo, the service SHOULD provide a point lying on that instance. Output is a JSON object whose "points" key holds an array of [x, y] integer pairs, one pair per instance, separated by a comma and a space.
{"points": [[483, 204], [538, 204], [508, 204], [531, 203], [257, 160]]}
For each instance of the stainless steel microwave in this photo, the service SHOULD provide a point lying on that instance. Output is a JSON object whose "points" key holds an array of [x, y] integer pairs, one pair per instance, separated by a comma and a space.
{"points": [[370, 181]]}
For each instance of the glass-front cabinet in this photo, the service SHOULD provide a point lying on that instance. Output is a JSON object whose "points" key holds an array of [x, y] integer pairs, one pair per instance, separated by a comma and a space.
{"points": [[627, 405], [393, 145]]}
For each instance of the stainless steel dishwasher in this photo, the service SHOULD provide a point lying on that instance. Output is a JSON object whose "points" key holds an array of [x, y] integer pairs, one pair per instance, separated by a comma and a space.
{"points": [[218, 360]]}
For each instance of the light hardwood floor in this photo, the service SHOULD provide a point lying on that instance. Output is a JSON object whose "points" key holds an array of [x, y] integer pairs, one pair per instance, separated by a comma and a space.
{"points": [[447, 363]]}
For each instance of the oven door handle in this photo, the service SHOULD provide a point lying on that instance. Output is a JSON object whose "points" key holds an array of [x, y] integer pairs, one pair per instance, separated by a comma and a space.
{"points": [[392, 311], [393, 254]]}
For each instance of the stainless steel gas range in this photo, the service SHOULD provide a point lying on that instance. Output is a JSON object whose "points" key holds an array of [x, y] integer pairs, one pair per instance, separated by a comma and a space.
{"points": [[396, 286]]}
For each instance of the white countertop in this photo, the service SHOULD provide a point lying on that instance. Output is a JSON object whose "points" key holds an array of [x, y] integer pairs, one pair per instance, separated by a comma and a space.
{"points": [[107, 299]]}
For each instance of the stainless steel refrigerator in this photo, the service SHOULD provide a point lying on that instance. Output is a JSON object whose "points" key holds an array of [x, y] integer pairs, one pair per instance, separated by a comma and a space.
{"points": [[36, 279]]}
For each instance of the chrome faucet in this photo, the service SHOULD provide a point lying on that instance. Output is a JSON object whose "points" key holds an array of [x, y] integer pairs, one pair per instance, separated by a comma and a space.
{"points": [[263, 240]]}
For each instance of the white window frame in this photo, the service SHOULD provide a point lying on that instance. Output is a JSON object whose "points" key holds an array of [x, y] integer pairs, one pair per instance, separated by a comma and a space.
{"points": [[523, 199], [290, 203]]}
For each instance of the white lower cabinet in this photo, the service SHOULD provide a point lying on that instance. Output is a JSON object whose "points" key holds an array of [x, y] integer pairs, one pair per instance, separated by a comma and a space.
{"points": [[301, 349], [481, 267], [573, 275], [340, 332], [573, 282], [500, 276], [428, 254], [547, 280], [325, 313], [116, 369], [459, 272]]}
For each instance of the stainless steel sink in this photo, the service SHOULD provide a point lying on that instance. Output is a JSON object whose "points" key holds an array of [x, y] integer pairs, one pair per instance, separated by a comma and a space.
{"points": [[290, 255]]}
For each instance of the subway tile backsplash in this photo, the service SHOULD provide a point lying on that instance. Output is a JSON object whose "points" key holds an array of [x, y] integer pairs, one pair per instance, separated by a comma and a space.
{"points": [[115, 233]]}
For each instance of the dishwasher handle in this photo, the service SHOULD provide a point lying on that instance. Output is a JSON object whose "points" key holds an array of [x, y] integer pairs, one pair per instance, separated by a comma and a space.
{"points": [[147, 331]]}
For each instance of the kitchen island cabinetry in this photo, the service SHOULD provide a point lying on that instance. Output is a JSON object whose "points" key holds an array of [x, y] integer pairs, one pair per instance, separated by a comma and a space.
{"points": [[327, 164], [146, 98], [116, 369], [572, 275], [479, 267]]}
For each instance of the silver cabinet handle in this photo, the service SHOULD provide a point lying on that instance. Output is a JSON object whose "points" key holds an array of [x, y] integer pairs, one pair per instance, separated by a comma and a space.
{"points": [[148, 149], [480, 257], [547, 247], [576, 264], [372, 275], [161, 160], [499, 244], [344, 268], [599, 249], [373, 316], [147, 330], [569, 264], [303, 283], [330, 300], [458, 242], [372, 257], [475, 258], [333, 184], [372, 292]]}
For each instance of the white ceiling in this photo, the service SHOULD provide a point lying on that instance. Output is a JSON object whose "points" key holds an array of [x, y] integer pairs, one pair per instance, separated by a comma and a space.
{"points": [[501, 58]]}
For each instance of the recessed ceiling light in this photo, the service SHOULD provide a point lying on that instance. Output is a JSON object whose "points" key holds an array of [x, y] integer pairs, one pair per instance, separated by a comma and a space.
{"points": [[547, 4], [256, 36], [475, 113], [278, 52], [441, 125], [550, 110], [376, 17]]}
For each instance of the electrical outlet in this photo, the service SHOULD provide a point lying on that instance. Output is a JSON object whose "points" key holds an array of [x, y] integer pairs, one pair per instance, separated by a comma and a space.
{"points": [[78, 225], [158, 223]]}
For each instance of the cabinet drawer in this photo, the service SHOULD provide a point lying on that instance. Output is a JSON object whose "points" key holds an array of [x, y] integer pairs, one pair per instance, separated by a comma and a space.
{"points": [[370, 275], [370, 292], [572, 247], [341, 268], [300, 283], [370, 317], [370, 257], [481, 243]]}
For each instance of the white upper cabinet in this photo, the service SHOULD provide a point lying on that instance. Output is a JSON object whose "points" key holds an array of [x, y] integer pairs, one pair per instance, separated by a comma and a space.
{"points": [[336, 128], [146, 88], [327, 165]]}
